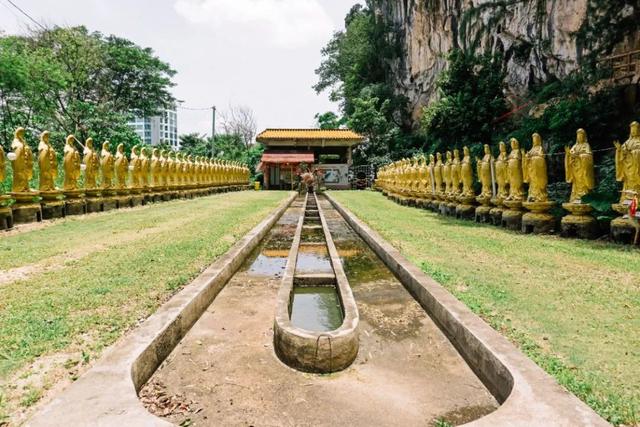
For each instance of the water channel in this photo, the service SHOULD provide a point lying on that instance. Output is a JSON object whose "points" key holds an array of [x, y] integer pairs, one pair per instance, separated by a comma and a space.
{"points": [[406, 372]]}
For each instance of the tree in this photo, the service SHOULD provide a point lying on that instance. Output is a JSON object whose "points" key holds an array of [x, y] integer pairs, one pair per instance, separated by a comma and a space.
{"points": [[240, 121], [329, 120], [70, 80]]}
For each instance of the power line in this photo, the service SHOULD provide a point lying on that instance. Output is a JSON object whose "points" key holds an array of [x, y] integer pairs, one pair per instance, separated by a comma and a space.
{"points": [[194, 109], [26, 14]]}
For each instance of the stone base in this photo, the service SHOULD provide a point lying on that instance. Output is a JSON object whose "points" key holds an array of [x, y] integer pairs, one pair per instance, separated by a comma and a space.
{"points": [[580, 226], [483, 215], [24, 213], [6, 218], [624, 231], [75, 207], [512, 219], [52, 209], [137, 200], [109, 203], [538, 223], [496, 216], [165, 197], [124, 202], [94, 205], [451, 209], [442, 208], [467, 212]]}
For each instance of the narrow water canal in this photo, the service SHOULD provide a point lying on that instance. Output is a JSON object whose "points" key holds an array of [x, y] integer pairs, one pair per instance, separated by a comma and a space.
{"points": [[406, 372]]}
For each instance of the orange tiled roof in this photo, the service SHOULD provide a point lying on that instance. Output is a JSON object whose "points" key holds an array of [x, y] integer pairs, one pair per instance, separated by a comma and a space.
{"points": [[309, 134]]}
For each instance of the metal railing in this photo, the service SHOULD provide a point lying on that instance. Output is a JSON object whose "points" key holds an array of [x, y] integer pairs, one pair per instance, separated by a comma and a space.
{"points": [[625, 65]]}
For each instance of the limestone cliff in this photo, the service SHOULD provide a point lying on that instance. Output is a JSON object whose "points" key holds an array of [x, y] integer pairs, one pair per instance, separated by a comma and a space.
{"points": [[536, 37]]}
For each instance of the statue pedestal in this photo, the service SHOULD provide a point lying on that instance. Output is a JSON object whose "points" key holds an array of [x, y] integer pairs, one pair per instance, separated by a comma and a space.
{"points": [[483, 212], [538, 220], [579, 223], [496, 211], [624, 229], [109, 200], [166, 194], [452, 204], [6, 215], [93, 200], [75, 203], [137, 198], [466, 209], [123, 198], [512, 216], [26, 209], [52, 204]]}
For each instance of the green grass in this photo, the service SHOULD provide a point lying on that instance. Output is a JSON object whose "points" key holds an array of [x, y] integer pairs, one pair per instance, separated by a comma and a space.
{"points": [[125, 265], [572, 306]]}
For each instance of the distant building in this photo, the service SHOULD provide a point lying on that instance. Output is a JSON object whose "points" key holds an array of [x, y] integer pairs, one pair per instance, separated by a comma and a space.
{"points": [[158, 129]]}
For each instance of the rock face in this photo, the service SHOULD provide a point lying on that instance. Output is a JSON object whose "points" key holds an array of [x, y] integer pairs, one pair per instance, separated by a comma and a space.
{"points": [[536, 37]]}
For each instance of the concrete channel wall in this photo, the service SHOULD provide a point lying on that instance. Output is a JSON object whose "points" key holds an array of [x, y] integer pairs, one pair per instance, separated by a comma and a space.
{"points": [[107, 394], [308, 351], [528, 395]]}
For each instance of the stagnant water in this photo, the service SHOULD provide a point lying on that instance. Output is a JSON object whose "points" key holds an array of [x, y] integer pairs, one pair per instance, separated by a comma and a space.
{"points": [[316, 308]]}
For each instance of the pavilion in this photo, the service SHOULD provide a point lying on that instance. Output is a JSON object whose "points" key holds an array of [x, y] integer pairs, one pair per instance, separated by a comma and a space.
{"points": [[327, 150]]}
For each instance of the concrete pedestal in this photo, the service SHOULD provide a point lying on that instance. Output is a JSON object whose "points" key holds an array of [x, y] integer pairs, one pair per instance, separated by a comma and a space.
{"points": [[623, 230], [109, 203], [75, 207], [94, 204], [483, 215], [52, 209], [512, 216], [26, 209], [466, 208], [124, 202], [6, 218], [538, 220], [579, 223]]}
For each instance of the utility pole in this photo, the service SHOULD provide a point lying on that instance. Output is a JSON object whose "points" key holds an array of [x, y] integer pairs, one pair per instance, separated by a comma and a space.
{"points": [[213, 131]]}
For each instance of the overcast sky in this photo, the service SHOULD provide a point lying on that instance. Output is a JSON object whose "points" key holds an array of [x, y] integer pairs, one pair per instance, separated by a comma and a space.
{"points": [[258, 53]]}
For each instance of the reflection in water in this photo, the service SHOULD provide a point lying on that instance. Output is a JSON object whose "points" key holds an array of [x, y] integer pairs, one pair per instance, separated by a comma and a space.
{"points": [[268, 266], [316, 308], [313, 259]]}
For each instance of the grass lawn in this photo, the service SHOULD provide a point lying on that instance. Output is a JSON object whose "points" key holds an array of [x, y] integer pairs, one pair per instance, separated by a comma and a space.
{"points": [[572, 306], [85, 281]]}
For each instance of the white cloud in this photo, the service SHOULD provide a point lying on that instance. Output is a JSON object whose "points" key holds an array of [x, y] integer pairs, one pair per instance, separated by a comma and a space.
{"points": [[284, 23]]}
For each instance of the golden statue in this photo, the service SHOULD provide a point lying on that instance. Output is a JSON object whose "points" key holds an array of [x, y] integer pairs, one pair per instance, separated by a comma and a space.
{"points": [[107, 166], [23, 163], [92, 164], [145, 167], [164, 169], [483, 166], [446, 175], [122, 168], [156, 168], [578, 163], [136, 168], [456, 175], [438, 172], [424, 179], [501, 169], [514, 171], [628, 166], [535, 171], [72, 165], [48, 163], [534, 165], [466, 174]]}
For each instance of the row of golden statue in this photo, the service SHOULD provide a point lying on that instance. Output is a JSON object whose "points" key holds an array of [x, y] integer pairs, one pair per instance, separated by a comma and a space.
{"points": [[110, 181], [446, 184]]}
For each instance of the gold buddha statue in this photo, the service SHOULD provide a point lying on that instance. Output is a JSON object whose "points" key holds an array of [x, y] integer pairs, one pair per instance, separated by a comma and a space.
{"points": [[122, 170], [534, 165], [483, 166], [48, 163], [164, 169], [514, 172], [466, 174], [535, 171], [438, 177], [456, 175], [22, 167], [145, 168], [628, 167], [135, 165], [424, 180], [107, 166], [579, 171], [156, 169], [579, 168], [72, 166], [512, 218], [446, 175], [92, 164], [501, 169]]}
